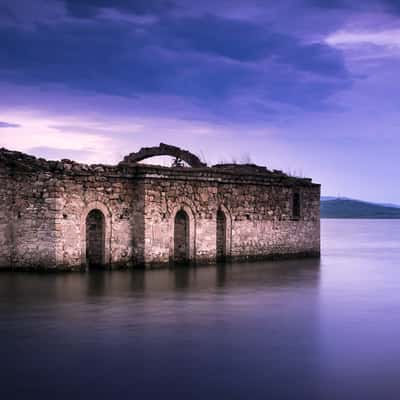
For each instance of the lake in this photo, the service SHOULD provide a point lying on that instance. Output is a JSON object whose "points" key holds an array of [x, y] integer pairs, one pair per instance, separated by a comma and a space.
{"points": [[298, 329]]}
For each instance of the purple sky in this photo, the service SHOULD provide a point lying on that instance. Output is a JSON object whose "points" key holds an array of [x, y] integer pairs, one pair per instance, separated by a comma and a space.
{"points": [[311, 87]]}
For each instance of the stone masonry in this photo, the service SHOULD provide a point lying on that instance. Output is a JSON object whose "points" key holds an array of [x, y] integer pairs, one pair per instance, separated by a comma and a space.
{"points": [[65, 215]]}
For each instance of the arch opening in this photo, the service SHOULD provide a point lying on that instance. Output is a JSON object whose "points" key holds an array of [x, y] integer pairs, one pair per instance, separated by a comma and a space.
{"points": [[95, 240], [221, 236], [165, 161], [296, 205], [181, 238]]}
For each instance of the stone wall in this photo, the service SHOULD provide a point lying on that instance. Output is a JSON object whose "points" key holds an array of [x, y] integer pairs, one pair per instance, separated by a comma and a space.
{"points": [[259, 218], [119, 200], [27, 218], [6, 218], [45, 207]]}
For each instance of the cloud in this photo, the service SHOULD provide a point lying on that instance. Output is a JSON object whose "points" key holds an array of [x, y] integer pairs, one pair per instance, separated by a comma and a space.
{"points": [[367, 48], [98, 129], [51, 153], [35, 132], [208, 60], [392, 6], [90, 8], [387, 38], [81, 138], [8, 125], [360, 6], [26, 13], [246, 41]]}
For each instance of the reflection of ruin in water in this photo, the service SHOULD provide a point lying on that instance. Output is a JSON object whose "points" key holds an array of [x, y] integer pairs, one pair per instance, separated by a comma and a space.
{"points": [[150, 283], [227, 276]]}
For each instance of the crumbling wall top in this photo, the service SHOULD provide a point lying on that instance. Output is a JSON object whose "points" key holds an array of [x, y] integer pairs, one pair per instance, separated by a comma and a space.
{"points": [[247, 169], [24, 163], [16, 163]]}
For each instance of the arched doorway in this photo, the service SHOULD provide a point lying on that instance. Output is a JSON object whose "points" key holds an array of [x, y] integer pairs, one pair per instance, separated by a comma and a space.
{"points": [[221, 235], [95, 239], [181, 237]]}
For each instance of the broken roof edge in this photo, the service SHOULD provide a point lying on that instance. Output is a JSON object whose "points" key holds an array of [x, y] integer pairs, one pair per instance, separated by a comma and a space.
{"points": [[19, 161]]}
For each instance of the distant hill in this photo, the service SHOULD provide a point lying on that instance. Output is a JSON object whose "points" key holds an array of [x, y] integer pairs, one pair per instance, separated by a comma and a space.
{"points": [[325, 198], [390, 205], [348, 208]]}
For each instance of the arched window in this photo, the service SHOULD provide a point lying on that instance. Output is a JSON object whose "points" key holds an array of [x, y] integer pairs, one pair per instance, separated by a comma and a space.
{"points": [[296, 205], [95, 239], [181, 237], [221, 235]]}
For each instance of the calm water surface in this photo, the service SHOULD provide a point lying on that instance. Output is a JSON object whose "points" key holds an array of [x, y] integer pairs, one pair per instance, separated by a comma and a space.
{"points": [[309, 329]]}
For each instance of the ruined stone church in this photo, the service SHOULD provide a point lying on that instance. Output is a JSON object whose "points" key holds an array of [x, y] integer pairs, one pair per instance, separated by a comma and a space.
{"points": [[66, 215]]}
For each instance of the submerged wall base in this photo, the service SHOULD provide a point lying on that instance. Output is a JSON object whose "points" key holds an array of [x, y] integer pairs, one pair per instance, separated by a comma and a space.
{"points": [[159, 265]]}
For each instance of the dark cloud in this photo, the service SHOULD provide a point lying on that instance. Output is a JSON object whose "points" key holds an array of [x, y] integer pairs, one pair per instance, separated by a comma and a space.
{"points": [[89, 8], [208, 59], [235, 39], [249, 42], [8, 125], [336, 4], [391, 6], [6, 12], [26, 14], [110, 60]]}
